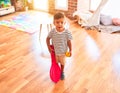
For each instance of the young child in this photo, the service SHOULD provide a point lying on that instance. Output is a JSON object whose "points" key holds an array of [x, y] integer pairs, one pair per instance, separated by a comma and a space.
{"points": [[61, 40]]}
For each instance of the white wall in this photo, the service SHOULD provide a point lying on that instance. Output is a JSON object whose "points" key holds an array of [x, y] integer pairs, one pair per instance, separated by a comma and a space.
{"points": [[83, 5], [112, 8]]}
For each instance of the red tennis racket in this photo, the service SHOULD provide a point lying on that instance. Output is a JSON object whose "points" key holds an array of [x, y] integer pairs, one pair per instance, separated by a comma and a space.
{"points": [[55, 71]]}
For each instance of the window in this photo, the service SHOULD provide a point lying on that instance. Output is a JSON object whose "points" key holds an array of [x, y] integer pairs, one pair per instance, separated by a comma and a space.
{"points": [[41, 5], [61, 4]]}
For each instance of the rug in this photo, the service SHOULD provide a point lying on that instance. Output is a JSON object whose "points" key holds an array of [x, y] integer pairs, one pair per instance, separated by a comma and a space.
{"points": [[24, 22], [108, 29]]}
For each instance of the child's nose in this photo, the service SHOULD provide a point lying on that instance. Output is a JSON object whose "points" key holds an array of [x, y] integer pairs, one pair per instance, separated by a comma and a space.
{"points": [[60, 23]]}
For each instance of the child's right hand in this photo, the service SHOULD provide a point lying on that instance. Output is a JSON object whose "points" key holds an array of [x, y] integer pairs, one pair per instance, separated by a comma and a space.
{"points": [[50, 49]]}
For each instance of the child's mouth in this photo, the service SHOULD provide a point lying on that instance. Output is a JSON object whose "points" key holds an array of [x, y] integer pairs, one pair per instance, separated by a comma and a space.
{"points": [[59, 27]]}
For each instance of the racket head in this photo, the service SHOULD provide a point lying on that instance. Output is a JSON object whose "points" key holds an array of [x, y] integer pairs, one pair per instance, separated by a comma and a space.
{"points": [[55, 73]]}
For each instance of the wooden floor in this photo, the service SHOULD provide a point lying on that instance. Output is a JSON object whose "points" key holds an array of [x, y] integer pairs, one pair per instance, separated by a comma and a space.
{"points": [[25, 62]]}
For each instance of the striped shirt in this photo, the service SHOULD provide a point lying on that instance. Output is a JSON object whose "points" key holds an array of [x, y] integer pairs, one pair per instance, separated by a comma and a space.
{"points": [[59, 40]]}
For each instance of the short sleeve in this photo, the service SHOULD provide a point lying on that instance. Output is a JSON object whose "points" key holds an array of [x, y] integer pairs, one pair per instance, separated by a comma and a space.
{"points": [[69, 35], [50, 34]]}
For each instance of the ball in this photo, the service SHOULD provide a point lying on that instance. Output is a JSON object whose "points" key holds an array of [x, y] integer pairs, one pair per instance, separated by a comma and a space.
{"points": [[67, 54]]}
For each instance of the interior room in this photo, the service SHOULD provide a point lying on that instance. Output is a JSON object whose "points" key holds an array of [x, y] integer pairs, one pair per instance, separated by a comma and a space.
{"points": [[25, 61]]}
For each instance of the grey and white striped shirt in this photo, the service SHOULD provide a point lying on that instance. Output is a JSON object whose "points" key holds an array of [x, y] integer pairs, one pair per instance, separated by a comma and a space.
{"points": [[59, 40]]}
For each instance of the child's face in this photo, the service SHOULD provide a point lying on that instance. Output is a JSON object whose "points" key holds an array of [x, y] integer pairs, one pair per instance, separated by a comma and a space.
{"points": [[59, 24]]}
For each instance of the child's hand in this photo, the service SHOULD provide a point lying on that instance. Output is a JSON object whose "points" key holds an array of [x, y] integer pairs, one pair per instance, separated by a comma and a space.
{"points": [[68, 54], [50, 49]]}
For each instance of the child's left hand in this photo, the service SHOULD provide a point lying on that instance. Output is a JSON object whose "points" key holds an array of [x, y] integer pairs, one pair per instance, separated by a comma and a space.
{"points": [[68, 54]]}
